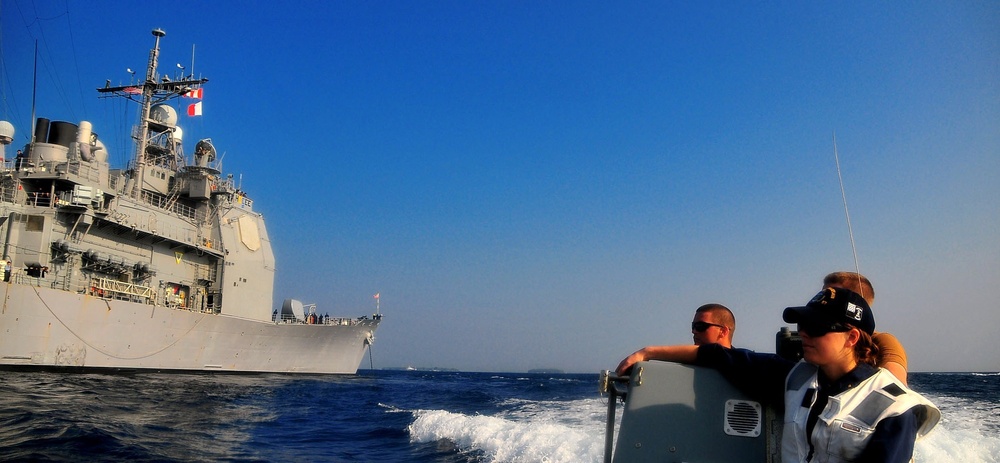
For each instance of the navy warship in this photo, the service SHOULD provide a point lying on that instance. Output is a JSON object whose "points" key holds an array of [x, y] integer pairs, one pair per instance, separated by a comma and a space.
{"points": [[160, 265]]}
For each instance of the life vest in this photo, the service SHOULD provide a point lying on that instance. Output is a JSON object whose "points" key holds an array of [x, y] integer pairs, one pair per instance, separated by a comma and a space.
{"points": [[847, 422]]}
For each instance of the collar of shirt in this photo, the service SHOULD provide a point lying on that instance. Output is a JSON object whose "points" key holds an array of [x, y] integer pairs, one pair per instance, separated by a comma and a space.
{"points": [[854, 377]]}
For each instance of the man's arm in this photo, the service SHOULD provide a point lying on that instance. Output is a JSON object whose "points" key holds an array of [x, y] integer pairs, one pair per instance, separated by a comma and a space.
{"points": [[897, 370], [892, 356], [680, 354]]}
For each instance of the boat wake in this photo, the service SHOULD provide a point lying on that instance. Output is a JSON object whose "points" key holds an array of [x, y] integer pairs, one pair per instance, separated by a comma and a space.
{"points": [[967, 432], [573, 431], [507, 440]]}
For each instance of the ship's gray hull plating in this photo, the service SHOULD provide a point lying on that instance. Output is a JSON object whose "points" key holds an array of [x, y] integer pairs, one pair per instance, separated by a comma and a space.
{"points": [[50, 328]]}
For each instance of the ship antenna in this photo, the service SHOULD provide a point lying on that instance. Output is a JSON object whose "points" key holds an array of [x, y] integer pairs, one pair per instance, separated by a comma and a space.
{"points": [[34, 92], [147, 103], [850, 231]]}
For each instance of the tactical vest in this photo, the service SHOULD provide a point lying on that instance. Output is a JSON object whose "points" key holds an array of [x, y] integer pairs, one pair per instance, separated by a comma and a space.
{"points": [[847, 422]]}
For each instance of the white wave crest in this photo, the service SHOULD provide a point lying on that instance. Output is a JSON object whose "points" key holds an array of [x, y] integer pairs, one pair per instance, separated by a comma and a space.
{"points": [[503, 440], [967, 432], [944, 444]]}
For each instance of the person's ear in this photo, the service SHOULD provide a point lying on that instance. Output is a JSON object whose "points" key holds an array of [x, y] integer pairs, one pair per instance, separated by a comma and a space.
{"points": [[853, 337]]}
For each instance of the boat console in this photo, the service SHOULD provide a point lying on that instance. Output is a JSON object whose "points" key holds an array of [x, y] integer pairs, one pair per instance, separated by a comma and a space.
{"points": [[684, 413]]}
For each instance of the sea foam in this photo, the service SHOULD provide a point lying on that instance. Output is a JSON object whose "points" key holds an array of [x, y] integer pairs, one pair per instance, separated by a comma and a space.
{"points": [[573, 431], [967, 432], [507, 440]]}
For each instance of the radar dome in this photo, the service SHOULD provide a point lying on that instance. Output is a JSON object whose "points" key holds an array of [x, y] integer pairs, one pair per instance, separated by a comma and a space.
{"points": [[205, 148], [163, 115], [292, 309], [100, 151], [177, 135], [6, 132]]}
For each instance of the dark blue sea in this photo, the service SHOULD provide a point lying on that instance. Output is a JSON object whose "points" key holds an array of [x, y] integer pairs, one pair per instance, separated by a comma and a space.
{"points": [[376, 416]]}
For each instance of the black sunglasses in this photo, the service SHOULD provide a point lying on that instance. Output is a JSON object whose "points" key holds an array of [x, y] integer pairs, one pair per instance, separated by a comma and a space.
{"points": [[702, 326], [817, 329]]}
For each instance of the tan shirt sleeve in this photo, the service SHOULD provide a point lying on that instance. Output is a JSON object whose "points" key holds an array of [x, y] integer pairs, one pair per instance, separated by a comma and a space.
{"points": [[890, 350]]}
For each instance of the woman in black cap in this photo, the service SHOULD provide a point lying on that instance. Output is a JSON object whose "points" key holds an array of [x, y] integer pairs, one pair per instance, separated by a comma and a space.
{"points": [[837, 405]]}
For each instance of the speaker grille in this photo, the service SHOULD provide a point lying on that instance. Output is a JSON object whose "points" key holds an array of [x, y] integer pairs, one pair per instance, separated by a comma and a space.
{"points": [[743, 418]]}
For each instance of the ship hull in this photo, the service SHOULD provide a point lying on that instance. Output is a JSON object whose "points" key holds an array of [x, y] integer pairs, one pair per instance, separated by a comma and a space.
{"points": [[51, 329]]}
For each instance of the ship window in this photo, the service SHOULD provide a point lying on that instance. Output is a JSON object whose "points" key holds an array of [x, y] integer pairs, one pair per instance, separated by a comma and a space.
{"points": [[35, 223]]}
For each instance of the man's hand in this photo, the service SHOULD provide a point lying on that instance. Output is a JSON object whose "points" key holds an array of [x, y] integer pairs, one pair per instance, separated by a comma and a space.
{"points": [[626, 364], [681, 354]]}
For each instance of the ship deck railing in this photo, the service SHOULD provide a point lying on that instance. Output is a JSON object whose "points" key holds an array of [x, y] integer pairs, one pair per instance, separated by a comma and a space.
{"points": [[55, 168], [163, 202], [121, 290], [8, 190], [22, 278], [105, 288], [328, 321]]}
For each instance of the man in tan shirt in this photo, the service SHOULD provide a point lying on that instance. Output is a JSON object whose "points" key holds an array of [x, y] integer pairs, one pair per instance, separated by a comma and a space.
{"points": [[892, 357]]}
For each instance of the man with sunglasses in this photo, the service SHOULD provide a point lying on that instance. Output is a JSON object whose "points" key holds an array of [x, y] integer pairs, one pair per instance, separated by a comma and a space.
{"points": [[713, 324]]}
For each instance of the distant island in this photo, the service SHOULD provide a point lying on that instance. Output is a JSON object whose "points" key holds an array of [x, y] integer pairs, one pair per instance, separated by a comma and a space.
{"points": [[546, 371]]}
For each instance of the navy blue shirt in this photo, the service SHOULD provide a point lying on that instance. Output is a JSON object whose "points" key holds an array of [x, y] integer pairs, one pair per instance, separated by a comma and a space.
{"points": [[762, 377]]}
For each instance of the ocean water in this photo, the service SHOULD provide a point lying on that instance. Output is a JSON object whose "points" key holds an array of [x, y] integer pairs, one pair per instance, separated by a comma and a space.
{"points": [[376, 416]]}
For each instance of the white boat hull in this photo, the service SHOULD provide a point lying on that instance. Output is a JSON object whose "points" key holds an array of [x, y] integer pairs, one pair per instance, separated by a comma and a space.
{"points": [[47, 328]]}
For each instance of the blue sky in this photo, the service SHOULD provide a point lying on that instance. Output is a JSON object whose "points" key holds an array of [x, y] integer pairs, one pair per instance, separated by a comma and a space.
{"points": [[554, 185]]}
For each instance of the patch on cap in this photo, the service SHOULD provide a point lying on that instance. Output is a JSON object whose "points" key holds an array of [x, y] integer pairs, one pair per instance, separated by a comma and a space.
{"points": [[854, 312]]}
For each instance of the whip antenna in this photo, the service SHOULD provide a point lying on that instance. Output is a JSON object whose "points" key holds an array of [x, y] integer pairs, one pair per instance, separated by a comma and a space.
{"points": [[843, 194]]}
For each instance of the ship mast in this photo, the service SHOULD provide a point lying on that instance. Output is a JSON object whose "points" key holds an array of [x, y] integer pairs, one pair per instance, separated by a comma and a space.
{"points": [[147, 102], [154, 90]]}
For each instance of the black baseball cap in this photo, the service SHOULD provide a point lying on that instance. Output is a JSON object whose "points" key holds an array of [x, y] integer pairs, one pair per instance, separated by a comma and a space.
{"points": [[834, 305]]}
